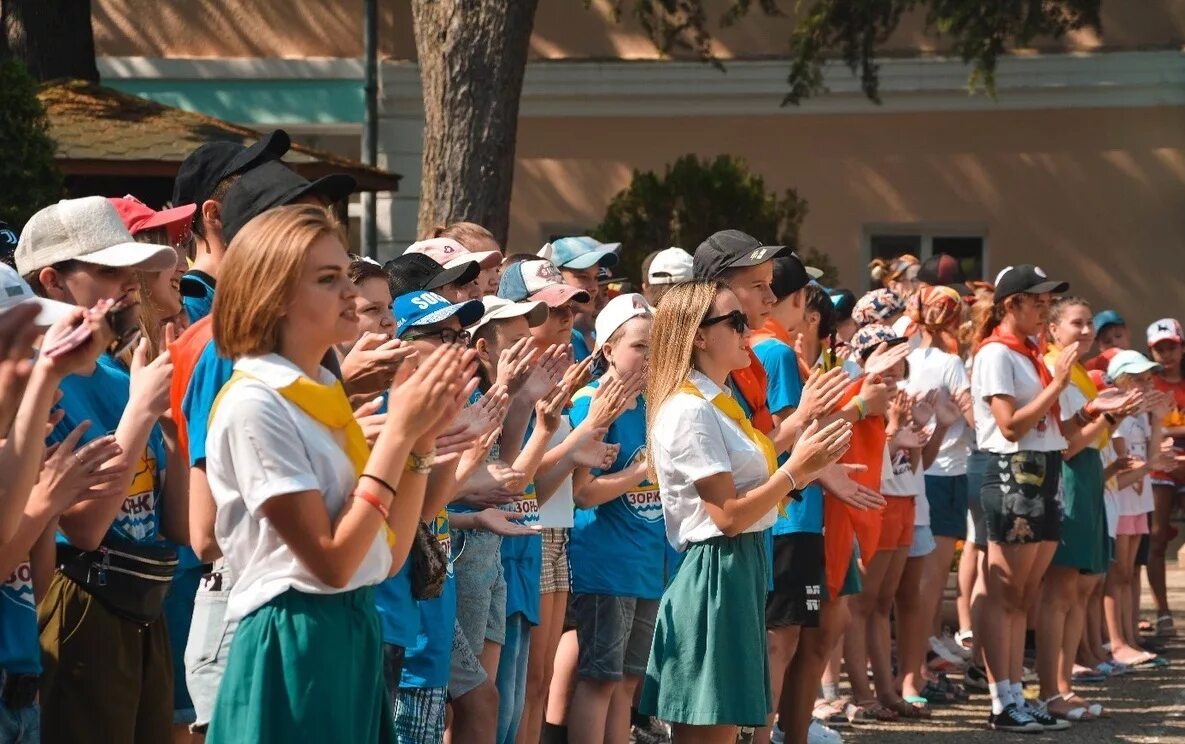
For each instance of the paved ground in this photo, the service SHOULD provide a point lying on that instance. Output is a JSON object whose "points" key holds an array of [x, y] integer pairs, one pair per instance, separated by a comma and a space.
{"points": [[1147, 707]]}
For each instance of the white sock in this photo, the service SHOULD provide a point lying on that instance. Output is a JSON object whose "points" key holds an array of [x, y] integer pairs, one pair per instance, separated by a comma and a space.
{"points": [[1001, 693], [1018, 694]]}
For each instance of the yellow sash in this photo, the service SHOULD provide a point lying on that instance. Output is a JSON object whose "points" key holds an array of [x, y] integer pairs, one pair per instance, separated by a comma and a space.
{"points": [[1080, 379]]}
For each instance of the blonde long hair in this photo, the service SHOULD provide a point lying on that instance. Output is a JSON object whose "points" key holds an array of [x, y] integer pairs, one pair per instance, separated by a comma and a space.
{"points": [[672, 347]]}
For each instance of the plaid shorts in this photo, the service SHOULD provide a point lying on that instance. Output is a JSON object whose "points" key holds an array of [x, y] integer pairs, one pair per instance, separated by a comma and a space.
{"points": [[419, 715], [554, 576]]}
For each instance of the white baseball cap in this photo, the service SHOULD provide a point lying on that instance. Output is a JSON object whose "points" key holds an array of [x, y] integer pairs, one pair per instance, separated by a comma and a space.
{"points": [[449, 253], [619, 311], [14, 291], [1165, 329], [87, 230], [499, 308], [672, 266]]}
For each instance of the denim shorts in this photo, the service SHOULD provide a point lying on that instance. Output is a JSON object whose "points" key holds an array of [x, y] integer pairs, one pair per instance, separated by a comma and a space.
{"points": [[481, 587], [209, 643], [947, 495], [20, 726], [465, 670], [614, 635], [923, 542]]}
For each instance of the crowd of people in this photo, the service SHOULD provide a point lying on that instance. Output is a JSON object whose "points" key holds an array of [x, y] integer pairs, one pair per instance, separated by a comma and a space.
{"points": [[258, 489]]}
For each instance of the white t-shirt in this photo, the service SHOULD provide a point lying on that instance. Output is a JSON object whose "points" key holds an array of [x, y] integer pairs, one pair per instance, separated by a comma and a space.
{"points": [[931, 369], [998, 370], [898, 477], [900, 327], [559, 510], [692, 440], [1070, 402], [1110, 498], [1136, 499], [261, 446]]}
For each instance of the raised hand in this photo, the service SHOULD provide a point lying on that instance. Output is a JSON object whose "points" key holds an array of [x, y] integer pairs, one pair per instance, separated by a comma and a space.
{"points": [[837, 480], [72, 473], [471, 460], [884, 358], [818, 447], [877, 395], [514, 365], [17, 334], [371, 364], [82, 357], [922, 407], [947, 411], [899, 409], [609, 401], [1064, 363], [151, 380], [501, 522], [579, 374], [1156, 402], [419, 400], [549, 372], [550, 408], [370, 419], [910, 437], [596, 454], [822, 392]]}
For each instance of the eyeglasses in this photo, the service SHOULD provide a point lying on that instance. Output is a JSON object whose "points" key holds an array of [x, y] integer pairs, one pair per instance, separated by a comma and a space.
{"points": [[736, 319], [446, 336]]}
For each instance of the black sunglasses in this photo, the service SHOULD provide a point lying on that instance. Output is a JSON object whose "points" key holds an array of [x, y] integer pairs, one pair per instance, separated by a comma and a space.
{"points": [[736, 319], [446, 336]]}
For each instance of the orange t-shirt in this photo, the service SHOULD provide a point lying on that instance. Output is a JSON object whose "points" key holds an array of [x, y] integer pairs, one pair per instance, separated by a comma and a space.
{"points": [[184, 353], [1176, 417]]}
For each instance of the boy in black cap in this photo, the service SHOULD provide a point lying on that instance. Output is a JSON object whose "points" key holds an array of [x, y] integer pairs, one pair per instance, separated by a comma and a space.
{"points": [[203, 179]]}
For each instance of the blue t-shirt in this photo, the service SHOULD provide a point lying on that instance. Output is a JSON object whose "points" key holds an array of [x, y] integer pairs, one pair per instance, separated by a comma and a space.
{"points": [[101, 399], [197, 307], [427, 658], [522, 556], [784, 390], [209, 375], [398, 614], [580, 350], [20, 647], [617, 548]]}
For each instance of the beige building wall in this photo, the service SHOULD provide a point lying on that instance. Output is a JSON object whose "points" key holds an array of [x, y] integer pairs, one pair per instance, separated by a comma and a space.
{"points": [[1095, 195]]}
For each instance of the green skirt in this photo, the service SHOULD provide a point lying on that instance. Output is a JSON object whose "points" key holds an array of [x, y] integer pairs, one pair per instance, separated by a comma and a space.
{"points": [[305, 667], [708, 663], [1083, 542]]}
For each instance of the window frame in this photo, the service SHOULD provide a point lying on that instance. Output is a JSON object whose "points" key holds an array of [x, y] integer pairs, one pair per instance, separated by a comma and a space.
{"points": [[927, 231]]}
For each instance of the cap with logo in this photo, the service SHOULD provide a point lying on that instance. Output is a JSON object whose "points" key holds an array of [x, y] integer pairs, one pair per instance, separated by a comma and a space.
{"points": [[1129, 362], [1026, 279], [790, 275], [14, 291], [415, 271], [1105, 318], [449, 253], [671, 266], [273, 184], [867, 339], [138, 216], [87, 230], [421, 308], [732, 249], [538, 279], [498, 308], [580, 253], [944, 270], [203, 169], [8, 241], [619, 311], [1165, 329]]}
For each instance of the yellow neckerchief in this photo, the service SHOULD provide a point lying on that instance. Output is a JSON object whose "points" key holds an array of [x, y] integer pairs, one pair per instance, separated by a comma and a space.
{"points": [[329, 406], [727, 405], [1080, 379]]}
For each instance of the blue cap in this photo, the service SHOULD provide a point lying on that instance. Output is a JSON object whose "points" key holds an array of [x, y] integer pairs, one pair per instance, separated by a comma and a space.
{"points": [[538, 279], [580, 253], [1105, 318], [423, 308]]}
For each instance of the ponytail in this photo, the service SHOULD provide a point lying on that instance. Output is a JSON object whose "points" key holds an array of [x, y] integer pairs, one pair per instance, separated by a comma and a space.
{"points": [[988, 322]]}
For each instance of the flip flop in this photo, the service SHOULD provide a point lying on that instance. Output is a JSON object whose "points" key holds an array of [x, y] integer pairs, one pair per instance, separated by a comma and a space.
{"points": [[908, 709], [1076, 714], [1095, 709], [1148, 660], [870, 712]]}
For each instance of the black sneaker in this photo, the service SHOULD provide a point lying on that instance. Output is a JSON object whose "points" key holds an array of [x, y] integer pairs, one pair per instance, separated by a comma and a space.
{"points": [[1014, 719], [1039, 714], [975, 678]]}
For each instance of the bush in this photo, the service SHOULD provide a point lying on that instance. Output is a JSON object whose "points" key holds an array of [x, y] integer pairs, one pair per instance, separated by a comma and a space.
{"points": [[29, 180], [694, 198]]}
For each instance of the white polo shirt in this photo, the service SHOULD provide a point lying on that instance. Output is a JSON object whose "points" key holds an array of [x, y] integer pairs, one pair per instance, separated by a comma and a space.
{"points": [[693, 439]]}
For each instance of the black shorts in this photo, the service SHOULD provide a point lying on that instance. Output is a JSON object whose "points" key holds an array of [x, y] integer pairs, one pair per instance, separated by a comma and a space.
{"points": [[798, 572], [1019, 496]]}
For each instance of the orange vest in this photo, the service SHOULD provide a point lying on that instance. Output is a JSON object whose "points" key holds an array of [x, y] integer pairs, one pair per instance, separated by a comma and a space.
{"points": [[184, 353]]}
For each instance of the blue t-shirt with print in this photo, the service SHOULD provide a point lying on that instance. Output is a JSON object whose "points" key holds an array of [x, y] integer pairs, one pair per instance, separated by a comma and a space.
{"points": [[210, 373], [522, 556], [197, 307], [784, 390], [617, 548], [20, 646], [427, 658], [398, 614], [101, 398]]}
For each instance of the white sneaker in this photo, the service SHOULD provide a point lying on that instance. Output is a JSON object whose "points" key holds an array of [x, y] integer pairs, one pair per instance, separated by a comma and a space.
{"points": [[820, 734], [955, 647], [942, 651]]}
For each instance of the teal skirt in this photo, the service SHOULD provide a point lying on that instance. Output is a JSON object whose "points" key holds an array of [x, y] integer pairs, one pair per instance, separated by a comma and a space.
{"points": [[1083, 542], [708, 663], [305, 667]]}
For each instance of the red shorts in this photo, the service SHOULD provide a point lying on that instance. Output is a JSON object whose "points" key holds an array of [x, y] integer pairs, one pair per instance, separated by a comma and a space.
{"points": [[896, 523]]}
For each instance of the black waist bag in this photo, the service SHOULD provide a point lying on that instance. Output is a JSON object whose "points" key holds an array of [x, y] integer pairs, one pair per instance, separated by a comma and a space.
{"points": [[130, 579]]}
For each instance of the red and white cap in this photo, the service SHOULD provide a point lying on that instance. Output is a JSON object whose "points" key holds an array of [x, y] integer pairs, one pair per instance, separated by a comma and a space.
{"points": [[138, 216], [1165, 329], [449, 253]]}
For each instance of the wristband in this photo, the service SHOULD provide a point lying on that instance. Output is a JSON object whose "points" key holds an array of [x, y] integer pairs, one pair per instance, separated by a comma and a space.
{"points": [[1110, 419], [1089, 412], [374, 501], [789, 477], [379, 481], [861, 408], [421, 464]]}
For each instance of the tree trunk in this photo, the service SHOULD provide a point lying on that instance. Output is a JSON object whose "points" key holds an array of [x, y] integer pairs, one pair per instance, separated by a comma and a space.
{"points": [[52, 37], [472, 54]]}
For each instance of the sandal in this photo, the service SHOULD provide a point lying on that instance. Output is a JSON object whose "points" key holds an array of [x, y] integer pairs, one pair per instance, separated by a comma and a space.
{"points": [[1083, 675], [931, 693], [951, 687], [1164, 626], [1095, 709], [907, 709], [1147, 660], [966, 639], [1075, 714], [831, 713], [870, 712]]}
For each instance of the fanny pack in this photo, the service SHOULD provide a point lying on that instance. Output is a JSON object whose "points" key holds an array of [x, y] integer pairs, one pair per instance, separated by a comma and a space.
{"points": [[130, 579], [429, 565]]}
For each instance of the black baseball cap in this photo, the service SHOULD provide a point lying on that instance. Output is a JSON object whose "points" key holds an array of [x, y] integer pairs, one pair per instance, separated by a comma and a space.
{"points": [[8, 241], [790, 275], [273, 184], [1027, 279], [944, 270], [203, 169], [413, 272], [732, 249]]}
